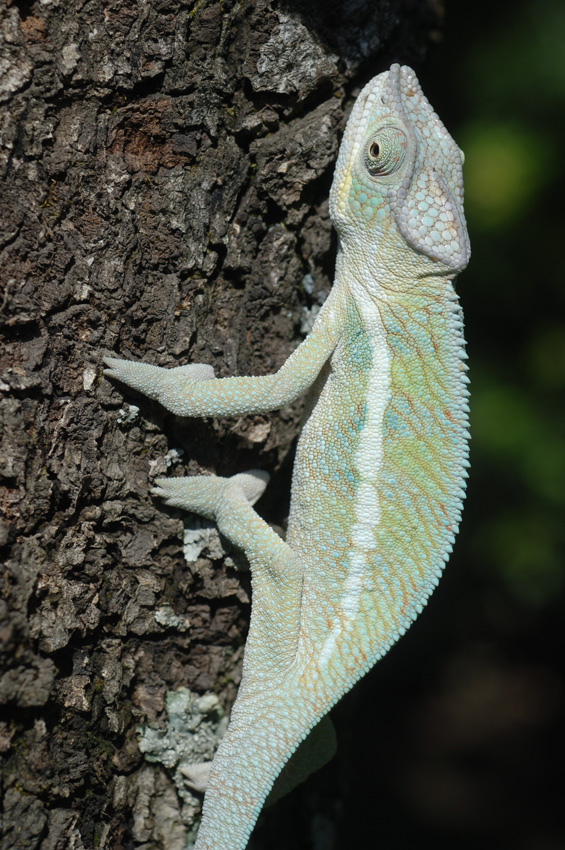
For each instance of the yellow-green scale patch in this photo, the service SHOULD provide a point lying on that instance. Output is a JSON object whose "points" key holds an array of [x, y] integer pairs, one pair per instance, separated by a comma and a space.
{"points": [[421, 478]]}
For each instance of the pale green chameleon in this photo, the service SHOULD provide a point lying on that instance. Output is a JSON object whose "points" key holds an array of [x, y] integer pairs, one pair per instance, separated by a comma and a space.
{"points": [[381, 462]]}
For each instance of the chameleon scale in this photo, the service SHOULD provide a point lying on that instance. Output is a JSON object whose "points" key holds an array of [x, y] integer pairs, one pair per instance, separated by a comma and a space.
{"points": [[381, 462]]}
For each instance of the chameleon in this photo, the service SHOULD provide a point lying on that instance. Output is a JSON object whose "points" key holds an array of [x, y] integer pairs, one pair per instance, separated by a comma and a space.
{"points": [[381, 462]]}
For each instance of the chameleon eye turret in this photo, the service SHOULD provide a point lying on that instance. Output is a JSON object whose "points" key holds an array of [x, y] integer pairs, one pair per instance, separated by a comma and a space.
{"points": [[386, 152]]}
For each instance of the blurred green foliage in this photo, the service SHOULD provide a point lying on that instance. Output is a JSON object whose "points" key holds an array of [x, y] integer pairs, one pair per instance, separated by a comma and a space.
{"points": [[502, 177], [512, 116]]}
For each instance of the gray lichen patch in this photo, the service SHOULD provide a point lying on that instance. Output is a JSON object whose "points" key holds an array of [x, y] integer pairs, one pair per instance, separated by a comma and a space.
{"points": [[195, 726], [199, 535], [127, 414], [166, 617]]}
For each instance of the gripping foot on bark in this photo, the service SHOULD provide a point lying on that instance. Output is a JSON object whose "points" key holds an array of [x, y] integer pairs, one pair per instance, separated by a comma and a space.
{"points": [[207, 495]]}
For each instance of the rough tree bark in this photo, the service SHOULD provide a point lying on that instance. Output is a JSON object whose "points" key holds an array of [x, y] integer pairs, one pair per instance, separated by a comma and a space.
{"points": [[166, 168]]}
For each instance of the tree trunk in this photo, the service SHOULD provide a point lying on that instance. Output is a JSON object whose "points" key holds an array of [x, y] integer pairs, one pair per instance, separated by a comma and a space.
{"points": [[166, 171]]}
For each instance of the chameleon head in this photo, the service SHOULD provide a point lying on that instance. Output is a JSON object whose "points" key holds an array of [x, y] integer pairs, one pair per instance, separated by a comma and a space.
{"points": [[398, 177]]}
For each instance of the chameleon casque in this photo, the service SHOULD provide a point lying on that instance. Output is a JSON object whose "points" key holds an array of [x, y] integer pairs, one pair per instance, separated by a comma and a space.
{"points": [[381, 462]]}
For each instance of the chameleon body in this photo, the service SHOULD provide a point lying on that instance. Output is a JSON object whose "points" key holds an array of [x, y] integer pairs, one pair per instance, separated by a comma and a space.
{"points": [[380, 466]]}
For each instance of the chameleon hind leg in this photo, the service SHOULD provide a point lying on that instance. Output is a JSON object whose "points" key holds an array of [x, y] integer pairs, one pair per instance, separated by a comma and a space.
{"points": [[276, 570], [265, 712], [229, 502], [313, 753]]}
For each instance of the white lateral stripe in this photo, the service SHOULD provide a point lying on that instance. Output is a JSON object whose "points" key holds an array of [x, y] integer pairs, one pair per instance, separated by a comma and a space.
{"points": [[368, 463]]}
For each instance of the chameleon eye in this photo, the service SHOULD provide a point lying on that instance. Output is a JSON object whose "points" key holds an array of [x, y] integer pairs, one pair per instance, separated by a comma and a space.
{"points": [[386, 151]]}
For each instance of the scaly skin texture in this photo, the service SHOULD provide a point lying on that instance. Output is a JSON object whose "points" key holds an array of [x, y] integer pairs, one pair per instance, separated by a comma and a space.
{"points": [[381, 462]]}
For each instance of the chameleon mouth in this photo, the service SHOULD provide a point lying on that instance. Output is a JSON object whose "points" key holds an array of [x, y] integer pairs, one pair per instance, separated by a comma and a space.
{"points": [[428, 206]]}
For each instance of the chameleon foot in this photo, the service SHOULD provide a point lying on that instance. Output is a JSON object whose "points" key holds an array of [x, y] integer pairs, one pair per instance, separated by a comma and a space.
{"points": [[196, 776], [149, 379], [206, 494]]}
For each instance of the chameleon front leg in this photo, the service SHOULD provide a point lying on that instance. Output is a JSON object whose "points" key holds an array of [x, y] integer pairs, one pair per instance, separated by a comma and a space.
{"points": [[193, 390]]}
